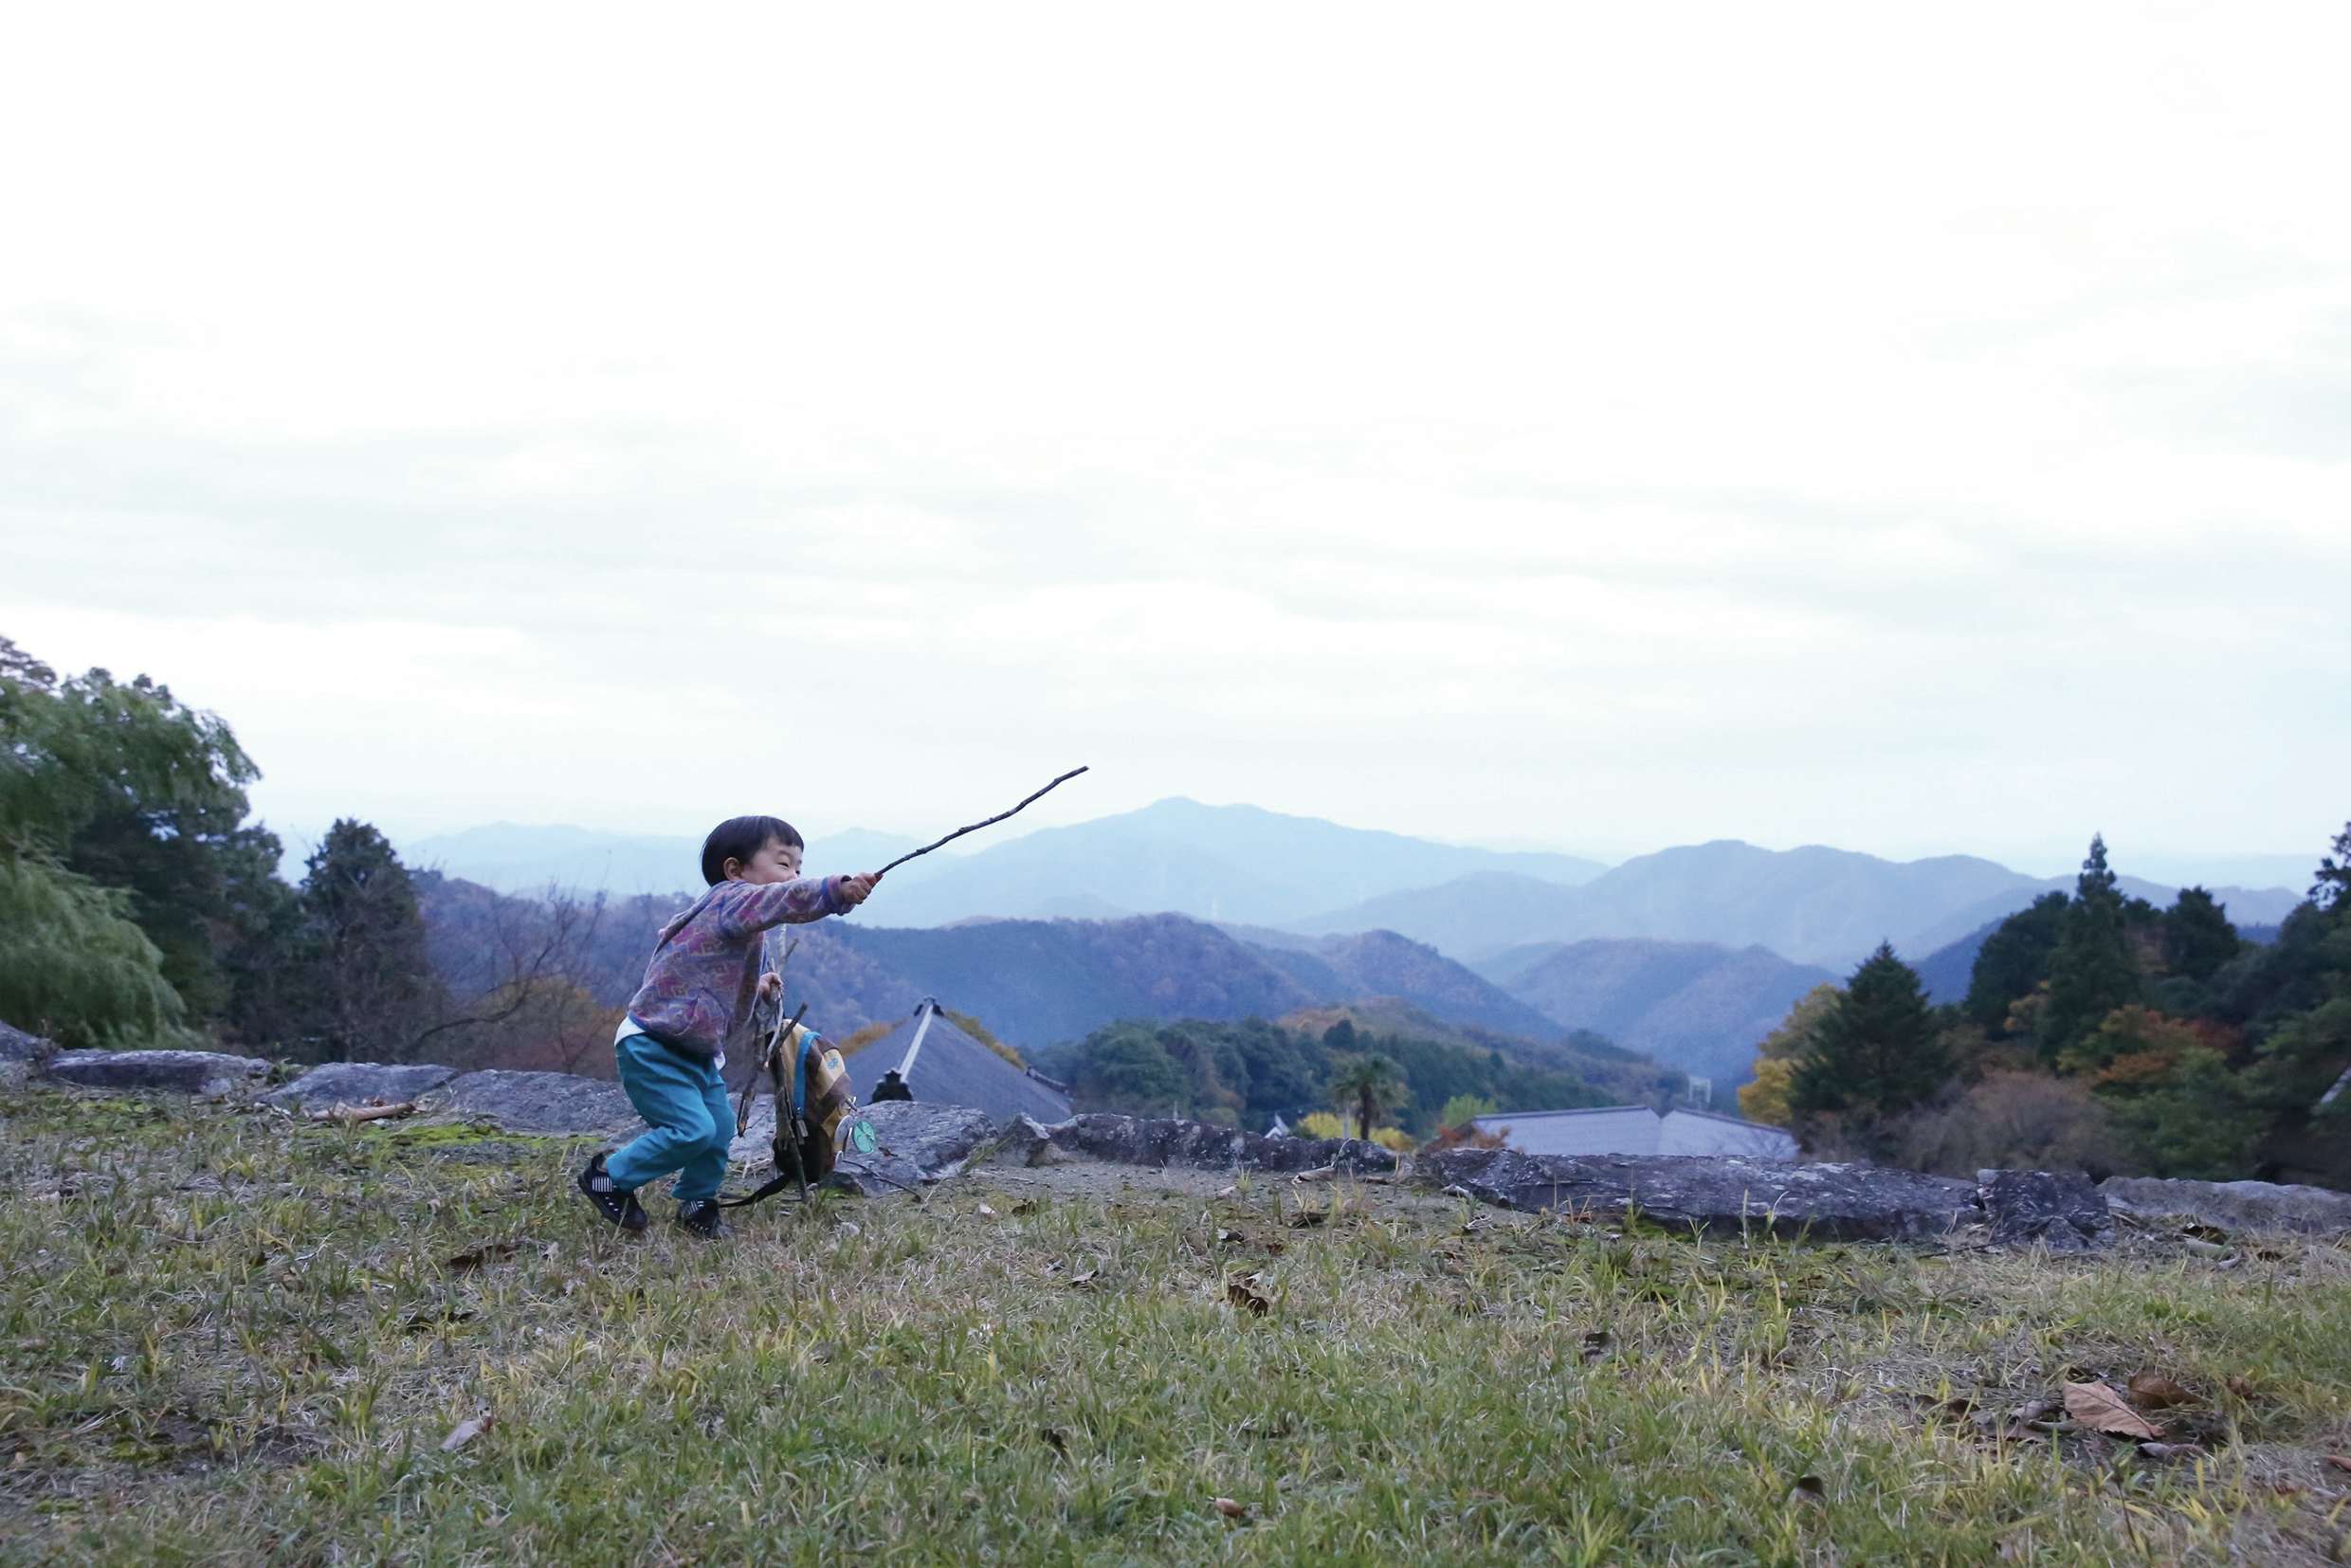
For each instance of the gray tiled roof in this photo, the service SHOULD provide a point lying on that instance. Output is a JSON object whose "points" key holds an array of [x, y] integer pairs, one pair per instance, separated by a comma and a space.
{"points": [[1636, 1130], [955, 1070], [1688, 1131]]}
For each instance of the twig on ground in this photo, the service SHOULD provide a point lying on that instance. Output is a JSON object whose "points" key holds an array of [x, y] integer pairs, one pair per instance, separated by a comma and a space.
{"points": [[352, 1115]]}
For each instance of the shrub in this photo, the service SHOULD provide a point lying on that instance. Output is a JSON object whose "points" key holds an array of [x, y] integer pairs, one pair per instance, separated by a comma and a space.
{"points": [[2013, 1120]]}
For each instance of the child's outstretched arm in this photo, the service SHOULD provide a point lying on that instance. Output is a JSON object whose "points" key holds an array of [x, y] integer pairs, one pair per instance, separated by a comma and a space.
{"points": [[758, 905]]}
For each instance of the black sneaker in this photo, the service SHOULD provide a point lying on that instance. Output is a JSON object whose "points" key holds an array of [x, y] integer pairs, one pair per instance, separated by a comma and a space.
{"points": [[621, 1208], [704, 1219]]}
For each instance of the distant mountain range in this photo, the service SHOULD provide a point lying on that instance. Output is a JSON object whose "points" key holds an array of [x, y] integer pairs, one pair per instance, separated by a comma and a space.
{"points": [[1696, 1005], [1272, 878], [1814, 905]]}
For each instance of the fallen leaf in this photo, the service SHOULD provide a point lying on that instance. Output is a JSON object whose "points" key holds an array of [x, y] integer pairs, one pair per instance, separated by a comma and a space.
{"points": [[1080, 1282], [1228, 1192], [2338, 1461], [1306, 1219], [2032, 1410], [466, 1432], [2101, 1409], [985, 1213], [1240, 1295], [1809, 1488], [1321, 1172], [2170, 1450], [1225, 1238], [2204, 1248], [2241, 1387], [2153, 1391], [1228, 1507], [489, 1251]]}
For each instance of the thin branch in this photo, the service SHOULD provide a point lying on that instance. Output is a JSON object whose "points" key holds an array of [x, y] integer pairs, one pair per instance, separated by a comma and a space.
{"points": [[977, 826]]}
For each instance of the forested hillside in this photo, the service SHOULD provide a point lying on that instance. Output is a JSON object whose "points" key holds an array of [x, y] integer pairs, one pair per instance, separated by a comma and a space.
{"points": [[2098, 1031]]}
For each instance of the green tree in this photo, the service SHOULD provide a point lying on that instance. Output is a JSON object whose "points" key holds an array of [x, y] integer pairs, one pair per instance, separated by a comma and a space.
{"points": [[1373, 1085], [2013, 961], [1764, 1098], [375, 985], [2198, 938], [1463, 1109], [2091, 973], [141, 799], [1875, 1054], [74, 963], [1123, 1068], [2330, 885]]}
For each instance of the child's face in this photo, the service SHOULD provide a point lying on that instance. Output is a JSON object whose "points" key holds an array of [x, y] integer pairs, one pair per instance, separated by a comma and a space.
{"points": [[775, 862]]}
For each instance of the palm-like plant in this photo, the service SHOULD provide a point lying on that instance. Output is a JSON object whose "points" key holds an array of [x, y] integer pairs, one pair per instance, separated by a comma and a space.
{"points": [[1374, 1084]]}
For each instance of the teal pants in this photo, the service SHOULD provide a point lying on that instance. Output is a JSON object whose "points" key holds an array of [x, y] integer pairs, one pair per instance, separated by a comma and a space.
{"points": [[683, 1101]]}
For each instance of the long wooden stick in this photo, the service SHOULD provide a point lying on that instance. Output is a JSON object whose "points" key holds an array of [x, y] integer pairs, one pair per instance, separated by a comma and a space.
{"points": [[977, 826]]}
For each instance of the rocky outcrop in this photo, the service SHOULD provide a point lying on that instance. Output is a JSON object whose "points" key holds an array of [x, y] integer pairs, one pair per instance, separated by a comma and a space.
{"points": [[544, 1104], [1160, 1142], [185, 1072], [20, 1053], [356, 1083], [916, 1142], [2060, 1211], [1718, 1195], [2232, 1205]]}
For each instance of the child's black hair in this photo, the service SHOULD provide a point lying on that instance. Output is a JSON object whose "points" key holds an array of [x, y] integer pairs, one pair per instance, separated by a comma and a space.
{"points": [[741, 837]]}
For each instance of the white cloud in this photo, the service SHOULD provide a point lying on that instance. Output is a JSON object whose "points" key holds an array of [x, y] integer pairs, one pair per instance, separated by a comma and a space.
{"points": [[1608, 426]]}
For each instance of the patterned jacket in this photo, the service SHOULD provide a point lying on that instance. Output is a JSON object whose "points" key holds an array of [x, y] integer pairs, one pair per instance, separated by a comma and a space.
{"points": [[699, 983]]}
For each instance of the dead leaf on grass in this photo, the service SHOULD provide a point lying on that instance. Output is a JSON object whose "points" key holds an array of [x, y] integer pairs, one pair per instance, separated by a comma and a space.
{"points": [[489, 1251], [2153, 1391], [985, 1213], [1228, 1192], [1228, 1507], [1306, 1219], [2338, 1462], [2101, 1409], [1240, 1295], [1085, 1281], [466, 1432]]}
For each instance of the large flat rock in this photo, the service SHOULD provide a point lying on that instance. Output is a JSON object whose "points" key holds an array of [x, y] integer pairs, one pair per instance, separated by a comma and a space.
{"points": [[356, 1083], [545, 1104], [2232, 1205], [181, 1071], [1160, 1142], [916, 1142], [1719, 1193]]}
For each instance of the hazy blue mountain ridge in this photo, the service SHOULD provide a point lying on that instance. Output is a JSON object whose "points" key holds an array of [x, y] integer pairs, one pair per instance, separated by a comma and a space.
{"points": [[1696, 1005], [1813, 904]]}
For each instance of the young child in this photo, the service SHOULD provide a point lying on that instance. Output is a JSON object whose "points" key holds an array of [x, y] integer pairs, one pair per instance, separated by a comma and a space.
{"points": [[697, 986]]}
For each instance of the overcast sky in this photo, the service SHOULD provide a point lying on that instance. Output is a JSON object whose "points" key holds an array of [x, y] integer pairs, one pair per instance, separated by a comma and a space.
{"points": [[1904, 427]]}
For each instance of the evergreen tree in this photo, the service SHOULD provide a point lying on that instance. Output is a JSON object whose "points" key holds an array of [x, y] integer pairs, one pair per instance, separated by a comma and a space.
{"points": [[2198, 938], [2091, 973], [1875, 1054], [375, 985], [2013, 961], [2330, 886]]}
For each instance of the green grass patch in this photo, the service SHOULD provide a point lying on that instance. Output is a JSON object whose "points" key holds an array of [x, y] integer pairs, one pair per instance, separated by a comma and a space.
{"points": [[233, 1337]]}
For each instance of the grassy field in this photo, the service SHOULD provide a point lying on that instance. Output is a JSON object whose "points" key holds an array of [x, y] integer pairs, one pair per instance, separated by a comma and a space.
{"points": [[229, 1338]]}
